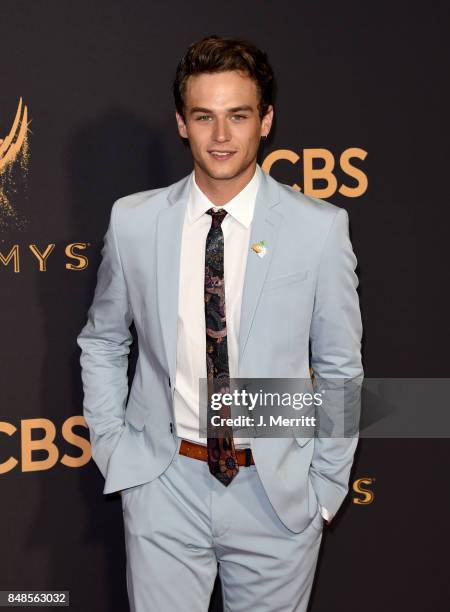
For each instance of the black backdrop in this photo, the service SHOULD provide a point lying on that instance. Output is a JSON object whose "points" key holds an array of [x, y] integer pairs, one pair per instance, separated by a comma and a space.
{"points": [[96, 80]]}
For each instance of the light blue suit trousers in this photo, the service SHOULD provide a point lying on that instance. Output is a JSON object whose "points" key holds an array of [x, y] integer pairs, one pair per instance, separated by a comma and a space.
{"points": [[179, 525]]}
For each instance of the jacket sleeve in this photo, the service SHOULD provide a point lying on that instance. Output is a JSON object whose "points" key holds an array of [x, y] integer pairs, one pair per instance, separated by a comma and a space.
{"points": [[105, 344], [336, 332]]}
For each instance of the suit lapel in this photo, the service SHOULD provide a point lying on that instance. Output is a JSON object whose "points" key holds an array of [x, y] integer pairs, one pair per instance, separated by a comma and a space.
{"points": [[264, 226], [168, 249]]}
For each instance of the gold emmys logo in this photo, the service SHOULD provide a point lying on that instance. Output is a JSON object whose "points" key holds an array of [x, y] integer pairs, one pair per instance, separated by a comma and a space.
{"points": [[14, 154]]}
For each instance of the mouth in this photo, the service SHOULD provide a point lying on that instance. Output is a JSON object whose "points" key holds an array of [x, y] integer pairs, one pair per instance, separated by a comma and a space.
{"points": [[221, 155]]}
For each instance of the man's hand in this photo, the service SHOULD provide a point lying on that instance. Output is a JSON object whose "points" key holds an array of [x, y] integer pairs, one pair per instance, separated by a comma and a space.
{"points": [[325, 514]]}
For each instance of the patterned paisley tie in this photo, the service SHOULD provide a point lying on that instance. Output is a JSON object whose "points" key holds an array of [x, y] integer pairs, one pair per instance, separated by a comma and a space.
{"points": [[221, 452]]}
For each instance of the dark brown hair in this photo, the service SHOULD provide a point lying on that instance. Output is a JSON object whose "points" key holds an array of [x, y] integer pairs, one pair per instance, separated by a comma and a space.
{"points": [[217, 54]]}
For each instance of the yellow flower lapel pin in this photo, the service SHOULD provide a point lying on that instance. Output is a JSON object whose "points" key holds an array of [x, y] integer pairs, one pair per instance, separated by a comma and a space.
{"points": [[260, 248]]}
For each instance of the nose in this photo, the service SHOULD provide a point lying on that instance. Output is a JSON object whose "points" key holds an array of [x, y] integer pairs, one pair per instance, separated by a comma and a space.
{"points": [[221, 131]]}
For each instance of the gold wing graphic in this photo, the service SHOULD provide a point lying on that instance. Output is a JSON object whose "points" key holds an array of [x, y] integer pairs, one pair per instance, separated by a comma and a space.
{"points": [[13, 148], [11, 145]]}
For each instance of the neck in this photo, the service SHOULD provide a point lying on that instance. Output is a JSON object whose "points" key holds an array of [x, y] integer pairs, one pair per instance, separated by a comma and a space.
{"points": [[221, 191]]}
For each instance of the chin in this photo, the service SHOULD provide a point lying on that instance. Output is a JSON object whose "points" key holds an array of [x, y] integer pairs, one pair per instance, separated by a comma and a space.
{"points": [[228, 171], [222, 175]]}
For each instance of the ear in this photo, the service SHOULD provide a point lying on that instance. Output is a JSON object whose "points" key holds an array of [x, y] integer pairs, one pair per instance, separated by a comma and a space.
{"points": [[266, 122], [181, 125]]}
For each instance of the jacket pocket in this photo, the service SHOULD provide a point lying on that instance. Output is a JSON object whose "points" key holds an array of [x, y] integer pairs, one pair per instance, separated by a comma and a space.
{"points": [[285, 279], [136, 415]]}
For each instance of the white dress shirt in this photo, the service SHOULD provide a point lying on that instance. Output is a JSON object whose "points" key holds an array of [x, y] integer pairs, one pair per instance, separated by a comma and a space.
{"points": [[191, 333]]}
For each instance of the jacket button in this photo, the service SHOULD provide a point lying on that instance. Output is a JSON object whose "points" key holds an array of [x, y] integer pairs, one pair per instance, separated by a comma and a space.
{"points": [[171, 428], [170, 384]]}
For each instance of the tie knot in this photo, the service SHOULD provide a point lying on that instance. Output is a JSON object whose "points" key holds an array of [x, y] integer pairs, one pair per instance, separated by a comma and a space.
{"points": [[217, 216]]}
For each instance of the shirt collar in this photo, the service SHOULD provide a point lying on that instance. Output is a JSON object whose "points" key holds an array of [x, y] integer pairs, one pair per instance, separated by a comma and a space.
{"points": [[241, 207]]}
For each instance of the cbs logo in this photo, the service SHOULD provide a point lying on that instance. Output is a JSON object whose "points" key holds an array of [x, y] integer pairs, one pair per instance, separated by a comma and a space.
{"points": [[45, 443], [325, 173]]}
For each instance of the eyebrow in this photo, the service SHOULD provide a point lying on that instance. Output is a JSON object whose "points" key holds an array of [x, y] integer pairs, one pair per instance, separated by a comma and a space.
{"points": [[235, 109]]}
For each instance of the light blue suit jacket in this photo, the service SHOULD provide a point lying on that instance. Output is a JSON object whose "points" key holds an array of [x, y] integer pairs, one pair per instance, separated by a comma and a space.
{"points": [[302, 291]]}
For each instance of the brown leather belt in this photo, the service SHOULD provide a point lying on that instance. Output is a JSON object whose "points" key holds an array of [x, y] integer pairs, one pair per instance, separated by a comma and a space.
{"points": [[244, 456]]}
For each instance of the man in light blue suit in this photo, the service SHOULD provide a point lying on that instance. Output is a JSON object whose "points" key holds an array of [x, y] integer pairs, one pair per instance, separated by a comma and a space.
{"points": [[283, 265]]}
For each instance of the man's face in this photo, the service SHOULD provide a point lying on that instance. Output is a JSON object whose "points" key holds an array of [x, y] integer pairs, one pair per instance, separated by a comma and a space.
{"points": [[222, 122]]}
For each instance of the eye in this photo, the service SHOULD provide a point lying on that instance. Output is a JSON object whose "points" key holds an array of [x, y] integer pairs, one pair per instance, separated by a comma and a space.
{"points": [[202, 117], [238, 117]]}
